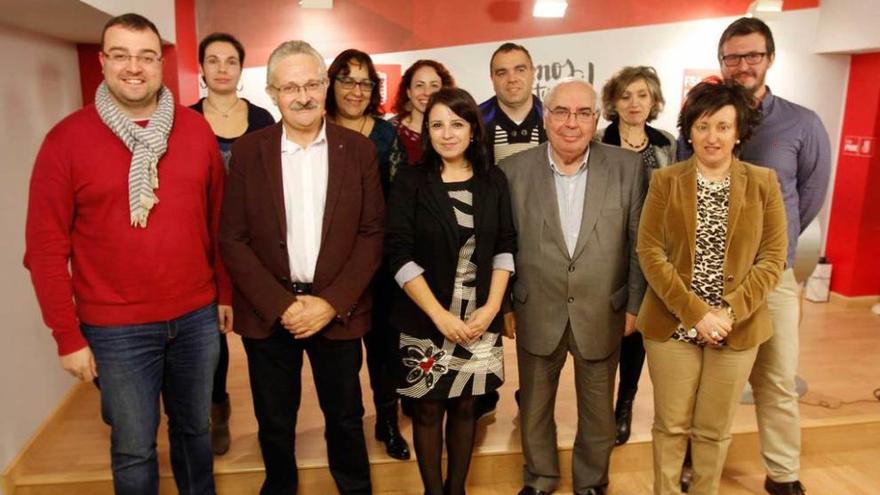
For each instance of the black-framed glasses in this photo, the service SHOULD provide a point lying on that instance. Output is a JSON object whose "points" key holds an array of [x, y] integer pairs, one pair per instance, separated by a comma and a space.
{"points": [[582, 115], [751, 58], [348, 83], [120, 58]]}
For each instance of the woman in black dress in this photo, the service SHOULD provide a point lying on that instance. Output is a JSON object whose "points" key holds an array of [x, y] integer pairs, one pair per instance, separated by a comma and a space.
{"points": [[220, 61], [450, 245]]}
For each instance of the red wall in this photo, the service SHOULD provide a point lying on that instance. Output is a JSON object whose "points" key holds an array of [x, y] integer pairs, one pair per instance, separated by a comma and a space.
{"points": [[853, 245]]}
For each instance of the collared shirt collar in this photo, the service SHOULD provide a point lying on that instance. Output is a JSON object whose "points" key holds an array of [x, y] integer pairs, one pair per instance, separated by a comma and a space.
{"points": [[555, 169], [288, 146], [767, 102]]}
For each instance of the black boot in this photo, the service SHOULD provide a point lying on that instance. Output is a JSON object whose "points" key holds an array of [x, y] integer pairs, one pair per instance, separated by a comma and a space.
{"points": [[388, 433], [220, 438], [623, 415]]}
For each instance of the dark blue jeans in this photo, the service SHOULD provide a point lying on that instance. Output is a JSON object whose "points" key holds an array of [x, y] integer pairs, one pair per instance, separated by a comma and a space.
{"points": [[137, 363]]}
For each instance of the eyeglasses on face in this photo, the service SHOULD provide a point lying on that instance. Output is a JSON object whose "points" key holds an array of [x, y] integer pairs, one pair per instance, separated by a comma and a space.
{"points": [[312, 87], [582, 115], [349, 83], [751, 58], [120, 58]]}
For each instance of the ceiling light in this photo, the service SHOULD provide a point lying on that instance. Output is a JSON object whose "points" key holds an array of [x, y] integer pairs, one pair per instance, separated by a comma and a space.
{"points": [[316, 4], [550, 8], [766, 10]]}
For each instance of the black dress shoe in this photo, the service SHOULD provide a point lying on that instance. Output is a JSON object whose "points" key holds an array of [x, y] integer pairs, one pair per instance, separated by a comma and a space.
{"points": [[388, 433], [528, 490], [785, 488], [623, 415]]}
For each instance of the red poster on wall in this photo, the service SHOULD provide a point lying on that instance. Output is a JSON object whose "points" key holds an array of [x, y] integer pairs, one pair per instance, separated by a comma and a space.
{"points": [[390, 75], [692, 77]]}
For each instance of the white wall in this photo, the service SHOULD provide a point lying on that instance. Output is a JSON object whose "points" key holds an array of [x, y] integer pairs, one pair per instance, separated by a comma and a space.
{"points": [[161, 12], [38, 86], [848, 26]]}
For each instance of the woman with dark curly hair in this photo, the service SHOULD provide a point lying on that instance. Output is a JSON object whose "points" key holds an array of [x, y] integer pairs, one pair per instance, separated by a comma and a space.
{"points": [[418, 83], [712, 245], [353, 98], [450, 243]]}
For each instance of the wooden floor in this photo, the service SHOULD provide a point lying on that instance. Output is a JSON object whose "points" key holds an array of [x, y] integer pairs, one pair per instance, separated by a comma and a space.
{"points": [[840, 420]]}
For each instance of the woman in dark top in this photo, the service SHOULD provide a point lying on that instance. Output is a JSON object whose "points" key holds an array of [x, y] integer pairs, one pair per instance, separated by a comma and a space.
{"points": [[418, 83], [353, 99], [221, 58], [230, 117], [631, 99], [450, 243]]}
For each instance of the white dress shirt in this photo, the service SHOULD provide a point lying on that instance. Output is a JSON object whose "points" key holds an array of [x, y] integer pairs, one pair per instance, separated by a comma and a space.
{"points": [[304, 174]]}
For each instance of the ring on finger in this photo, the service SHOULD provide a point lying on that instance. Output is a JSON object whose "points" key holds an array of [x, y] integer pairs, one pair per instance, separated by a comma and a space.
{"points": [[715, 335]]}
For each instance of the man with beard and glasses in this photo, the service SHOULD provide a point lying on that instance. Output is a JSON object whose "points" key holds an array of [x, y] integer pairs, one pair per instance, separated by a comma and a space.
{"points": [[127, 272], [793, 142], [301, 234]]}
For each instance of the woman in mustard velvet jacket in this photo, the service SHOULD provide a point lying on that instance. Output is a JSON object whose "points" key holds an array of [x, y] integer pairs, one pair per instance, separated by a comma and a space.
{"points": [[712, 245]]}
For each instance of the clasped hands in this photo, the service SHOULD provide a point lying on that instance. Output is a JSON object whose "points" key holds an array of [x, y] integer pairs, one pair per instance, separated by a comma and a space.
{"points": [[714, 327], [465, 332], [307, 316]]}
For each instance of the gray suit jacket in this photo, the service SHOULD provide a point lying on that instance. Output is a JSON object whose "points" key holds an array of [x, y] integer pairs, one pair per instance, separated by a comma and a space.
{"points": [[592, 288]]}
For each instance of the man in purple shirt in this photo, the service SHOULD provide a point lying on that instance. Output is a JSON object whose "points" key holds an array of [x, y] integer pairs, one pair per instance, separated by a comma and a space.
{"points": [[792, 141]]}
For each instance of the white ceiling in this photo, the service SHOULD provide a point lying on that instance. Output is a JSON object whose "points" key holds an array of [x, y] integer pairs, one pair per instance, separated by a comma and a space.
{"points": [[63, 19]]}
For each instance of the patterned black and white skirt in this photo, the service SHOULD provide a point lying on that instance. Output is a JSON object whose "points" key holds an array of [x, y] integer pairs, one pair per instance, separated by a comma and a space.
{"points": [[437, 368]]}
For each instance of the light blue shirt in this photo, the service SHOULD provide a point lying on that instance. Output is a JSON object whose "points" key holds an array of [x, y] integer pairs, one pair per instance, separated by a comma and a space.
{"points": [[570, 193]]}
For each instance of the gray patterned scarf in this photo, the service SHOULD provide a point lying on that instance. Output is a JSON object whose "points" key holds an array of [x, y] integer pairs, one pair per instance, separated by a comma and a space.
{"points": [[147, 145]]}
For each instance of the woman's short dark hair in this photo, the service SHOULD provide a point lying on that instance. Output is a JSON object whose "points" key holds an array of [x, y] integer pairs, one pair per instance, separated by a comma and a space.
{"points": [[707, 98], [401, 103], [462, 104], [221, 38], [614, 88], [340, 68]]}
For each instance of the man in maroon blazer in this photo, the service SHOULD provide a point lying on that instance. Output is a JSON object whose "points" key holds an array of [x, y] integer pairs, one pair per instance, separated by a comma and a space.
{"points": [[301, 236]]}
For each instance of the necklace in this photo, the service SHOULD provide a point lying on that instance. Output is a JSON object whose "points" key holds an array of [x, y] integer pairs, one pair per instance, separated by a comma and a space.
{"points": [[224, 113], [360, 129], [633, 146]]}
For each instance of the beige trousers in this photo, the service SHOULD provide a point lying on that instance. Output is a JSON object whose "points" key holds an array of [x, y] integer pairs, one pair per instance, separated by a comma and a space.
{"points": [[696, 393], [773, 384]]}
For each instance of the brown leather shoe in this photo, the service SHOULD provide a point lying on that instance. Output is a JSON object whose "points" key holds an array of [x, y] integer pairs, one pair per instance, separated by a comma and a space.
{"points": [[220, 427], [784, 488]]}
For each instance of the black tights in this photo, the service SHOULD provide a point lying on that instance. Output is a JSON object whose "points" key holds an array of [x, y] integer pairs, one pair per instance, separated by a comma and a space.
{"points": [[428, 440]]}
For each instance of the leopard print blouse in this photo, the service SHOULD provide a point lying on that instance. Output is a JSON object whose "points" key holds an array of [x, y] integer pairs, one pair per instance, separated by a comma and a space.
{"points": [[713, 203]]}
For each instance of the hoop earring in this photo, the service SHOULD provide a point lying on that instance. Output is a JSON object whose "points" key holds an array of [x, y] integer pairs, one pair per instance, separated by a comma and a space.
{"points": [[202, 83], [240, 87]]}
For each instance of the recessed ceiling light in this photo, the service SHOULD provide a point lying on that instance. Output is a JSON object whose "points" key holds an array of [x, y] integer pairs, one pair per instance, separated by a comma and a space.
{"points": [[550, 8]]}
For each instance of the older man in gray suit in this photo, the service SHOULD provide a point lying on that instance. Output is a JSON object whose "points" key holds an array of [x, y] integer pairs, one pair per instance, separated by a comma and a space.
{"points": [[576, 207]]}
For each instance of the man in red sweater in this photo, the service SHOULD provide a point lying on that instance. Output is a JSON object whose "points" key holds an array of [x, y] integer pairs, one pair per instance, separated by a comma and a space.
{"points": [[121, 244]]}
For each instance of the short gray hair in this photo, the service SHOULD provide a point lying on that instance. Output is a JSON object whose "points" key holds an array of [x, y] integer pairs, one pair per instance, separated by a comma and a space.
{"points": [[290, 48], [548, 96]]}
